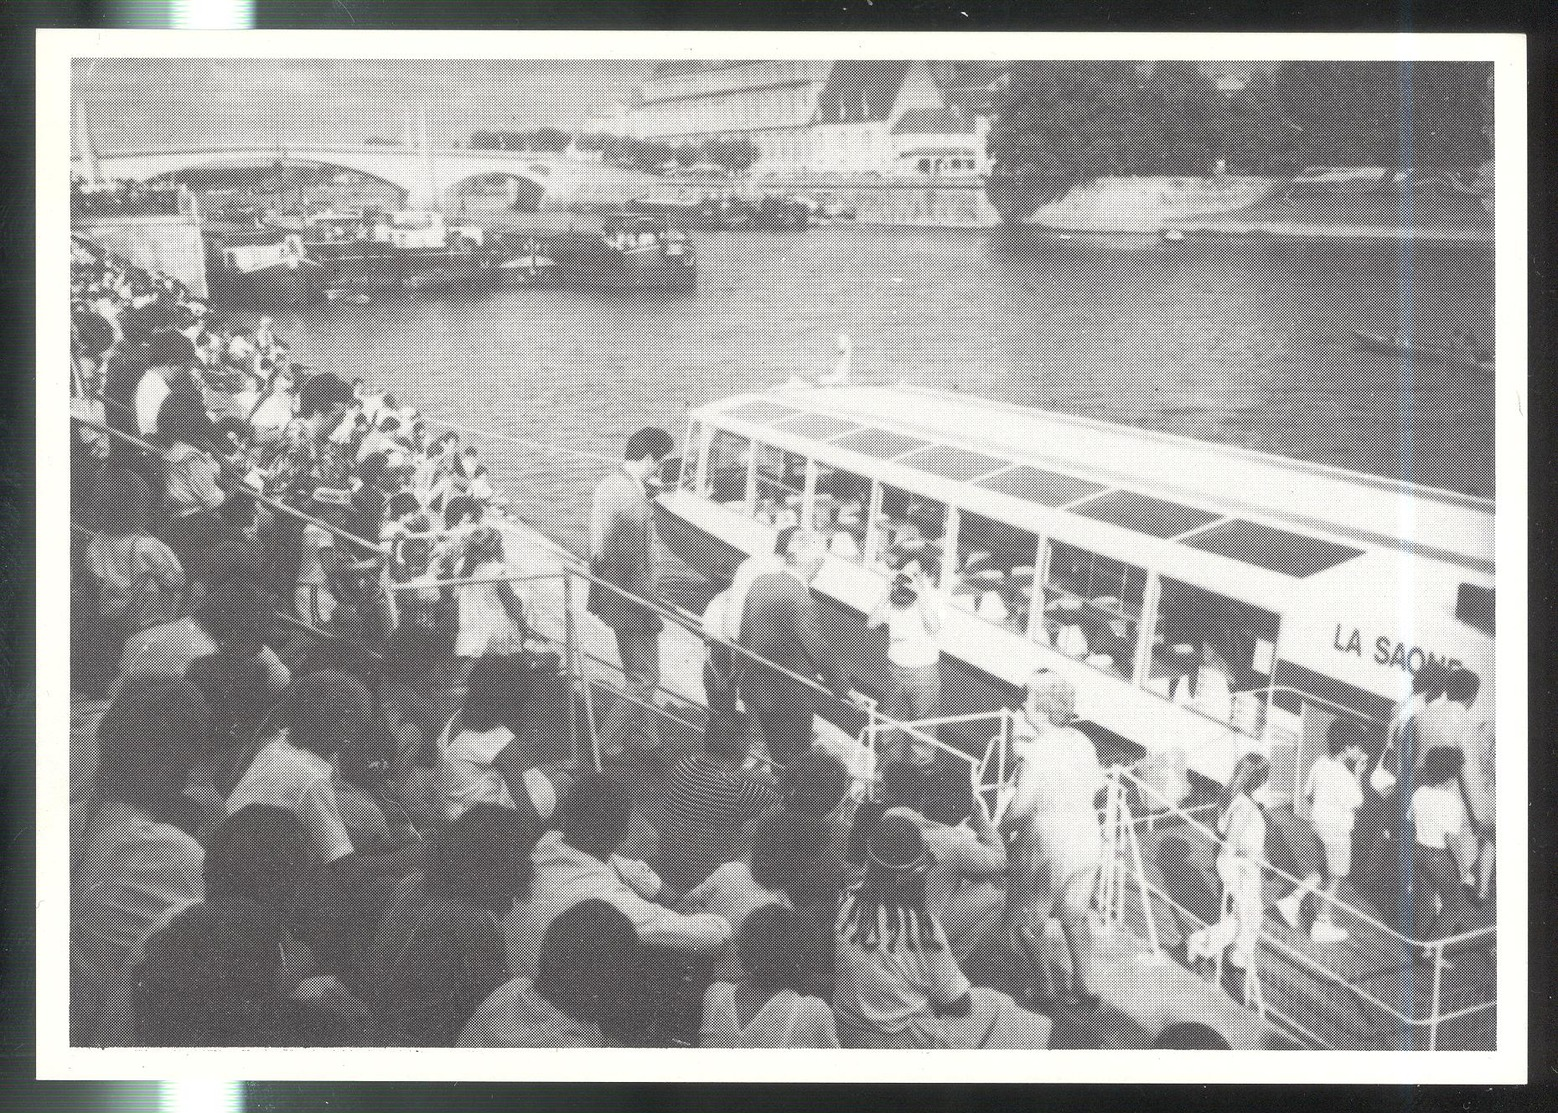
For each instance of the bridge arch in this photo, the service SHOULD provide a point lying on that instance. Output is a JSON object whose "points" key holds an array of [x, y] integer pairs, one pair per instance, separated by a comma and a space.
{"points": [[518, 189], [236, 171]]}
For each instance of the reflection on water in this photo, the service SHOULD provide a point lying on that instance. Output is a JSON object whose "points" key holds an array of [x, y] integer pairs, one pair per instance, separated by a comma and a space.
{"points": [[1245, 342]]}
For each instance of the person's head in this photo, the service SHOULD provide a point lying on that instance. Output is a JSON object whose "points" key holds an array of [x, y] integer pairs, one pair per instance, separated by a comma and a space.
{"points": [[168, 349], [777, 949], [260, 853], [1428, 681], [401, 505], [593, 814], [646, 450], [1190, 1036], [327, 711], [233, 615], [1250, 773], [122, 504], [326, 397], [725, 740], [482, 858], [389, 423], [903, 784], [1461, 686], [283, 381], [782, 541], [148, 740], [494, 690], [789, 856], [1346, 737], [213, 978], [805, 553], [949, 796], [815, 783], [483, 546], [590, 964], [887, 909], [462, 510], [371, 469], [1050, 698], [236, 688], [1441, 764], [183, 419]]}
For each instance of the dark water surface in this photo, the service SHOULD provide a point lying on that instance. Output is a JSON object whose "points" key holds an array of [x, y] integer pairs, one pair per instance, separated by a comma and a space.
{"points": [[1239, 341]]}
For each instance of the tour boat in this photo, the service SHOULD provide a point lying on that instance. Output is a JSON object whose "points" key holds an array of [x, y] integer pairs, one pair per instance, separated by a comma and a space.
{"points": [[271, 268], [1203, 598], [430, 253]]}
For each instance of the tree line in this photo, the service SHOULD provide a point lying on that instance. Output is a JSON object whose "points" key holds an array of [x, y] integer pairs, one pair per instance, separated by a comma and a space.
{"points": [[1065, 121]]}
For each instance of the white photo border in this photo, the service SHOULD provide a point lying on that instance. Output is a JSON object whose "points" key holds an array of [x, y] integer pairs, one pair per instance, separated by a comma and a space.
{"points": [[56, 49]]}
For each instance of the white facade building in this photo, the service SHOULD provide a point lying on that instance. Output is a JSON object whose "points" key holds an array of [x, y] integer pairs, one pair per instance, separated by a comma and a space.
{"points": [[849, 118]]}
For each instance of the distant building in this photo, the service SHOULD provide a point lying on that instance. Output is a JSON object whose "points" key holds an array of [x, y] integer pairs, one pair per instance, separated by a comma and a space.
{"points": [[858, 117]]}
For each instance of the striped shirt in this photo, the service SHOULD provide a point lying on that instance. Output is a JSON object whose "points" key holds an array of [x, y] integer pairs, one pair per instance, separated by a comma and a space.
{"points": [[703, 818]]}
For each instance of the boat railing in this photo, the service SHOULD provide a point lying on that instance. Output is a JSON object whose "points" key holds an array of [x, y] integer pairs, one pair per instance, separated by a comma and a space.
{"points": [[1386, 953]]}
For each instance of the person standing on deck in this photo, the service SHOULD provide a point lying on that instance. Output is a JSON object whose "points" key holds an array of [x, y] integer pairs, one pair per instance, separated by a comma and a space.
{"points": [[780, 624], [622, 537], [1056, 840]]}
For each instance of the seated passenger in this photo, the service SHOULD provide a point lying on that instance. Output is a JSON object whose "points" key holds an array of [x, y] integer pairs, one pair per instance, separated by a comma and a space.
{"points": [[589, 977], [898, 983], [576, 861], [767, 1004]]}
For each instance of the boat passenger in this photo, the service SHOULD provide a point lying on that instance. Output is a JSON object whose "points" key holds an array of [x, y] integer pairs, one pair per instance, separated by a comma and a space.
{"points": [[912, 616], [1442, 860], [1241, 829], [767, 1003], [1056, 847]]}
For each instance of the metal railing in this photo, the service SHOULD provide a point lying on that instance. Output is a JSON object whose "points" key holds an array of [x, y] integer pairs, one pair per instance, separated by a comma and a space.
{"points": [[1125, 867]]}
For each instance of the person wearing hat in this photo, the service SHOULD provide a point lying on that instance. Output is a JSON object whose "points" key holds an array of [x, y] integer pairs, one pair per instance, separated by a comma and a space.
{"points": [[898, 983], [1056, 843]]}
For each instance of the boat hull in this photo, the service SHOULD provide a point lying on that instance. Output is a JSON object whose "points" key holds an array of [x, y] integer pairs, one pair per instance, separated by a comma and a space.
{"points": [[279, 285]]}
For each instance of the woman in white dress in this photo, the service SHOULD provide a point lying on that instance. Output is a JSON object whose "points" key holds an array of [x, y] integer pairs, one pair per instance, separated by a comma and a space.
{"points": [[1056, 842]]}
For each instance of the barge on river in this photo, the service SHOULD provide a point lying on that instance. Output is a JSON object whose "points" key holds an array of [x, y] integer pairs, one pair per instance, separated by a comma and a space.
{"points": [[1203, 598], [263, 267], [634, 251]]}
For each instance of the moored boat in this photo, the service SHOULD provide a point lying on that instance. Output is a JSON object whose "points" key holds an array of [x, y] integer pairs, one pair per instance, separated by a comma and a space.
{"points": [[266, 267], [1471, 357], [633, 252], [1203, 598]]}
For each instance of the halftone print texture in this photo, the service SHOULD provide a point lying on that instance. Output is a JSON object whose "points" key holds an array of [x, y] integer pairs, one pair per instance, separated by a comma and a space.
{"points": [[782, 553]]}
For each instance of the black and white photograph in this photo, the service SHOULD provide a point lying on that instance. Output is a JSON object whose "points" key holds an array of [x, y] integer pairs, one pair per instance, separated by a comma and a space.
{"points": [[719, 568]]}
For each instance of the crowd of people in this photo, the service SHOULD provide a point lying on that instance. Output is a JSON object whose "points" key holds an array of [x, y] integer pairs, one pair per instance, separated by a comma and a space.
{"points": [[316, 799], [122, 198]]}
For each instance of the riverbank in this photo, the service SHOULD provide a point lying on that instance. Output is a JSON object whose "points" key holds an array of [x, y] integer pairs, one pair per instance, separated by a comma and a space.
{"points": [[1260, 207]]}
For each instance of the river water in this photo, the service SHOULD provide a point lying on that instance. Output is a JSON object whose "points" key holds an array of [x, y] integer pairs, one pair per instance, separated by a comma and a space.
{"points": [[1239, 341]]}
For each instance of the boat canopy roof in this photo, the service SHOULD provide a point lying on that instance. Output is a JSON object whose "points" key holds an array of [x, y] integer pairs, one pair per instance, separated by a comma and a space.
{"points": [[1280, 526]]}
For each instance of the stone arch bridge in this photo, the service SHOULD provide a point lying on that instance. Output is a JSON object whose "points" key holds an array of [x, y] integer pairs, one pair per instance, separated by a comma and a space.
{"points": [[425, 180]]}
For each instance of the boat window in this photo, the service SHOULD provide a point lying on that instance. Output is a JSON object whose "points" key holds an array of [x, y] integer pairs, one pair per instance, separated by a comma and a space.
{"points": [[820, 427], [1047, 488], [1292, 554], [1144, 514], [841, 509], [910, 527], [725, 471], [1213, 654], [994, 574], [762, 412], [881, 443], [1092, 607], [781, 483], [954, 463]]}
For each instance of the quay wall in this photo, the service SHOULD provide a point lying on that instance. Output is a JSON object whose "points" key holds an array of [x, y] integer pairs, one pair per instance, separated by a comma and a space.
{"points": [[1147, 204], [171, 244], [1101, 205]]}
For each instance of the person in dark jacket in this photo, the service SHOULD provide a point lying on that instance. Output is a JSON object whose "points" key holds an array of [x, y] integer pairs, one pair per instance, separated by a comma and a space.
{"points": [[621, 556], [780, 624]]}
